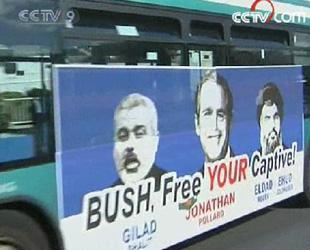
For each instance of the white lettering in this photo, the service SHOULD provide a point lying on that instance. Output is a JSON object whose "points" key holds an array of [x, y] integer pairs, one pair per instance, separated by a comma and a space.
{"points": [[288, 19], [301, 17], [55, 15], [262, 17], [276, 18], [34, 16], [24, 15], [245, 17], [38, 16], [237, 17]]}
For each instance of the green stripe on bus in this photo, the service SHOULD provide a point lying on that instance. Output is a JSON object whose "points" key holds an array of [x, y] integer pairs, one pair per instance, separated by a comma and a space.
{"points": [[37, 183], [192, 5], [200, 5], [302, 3]]}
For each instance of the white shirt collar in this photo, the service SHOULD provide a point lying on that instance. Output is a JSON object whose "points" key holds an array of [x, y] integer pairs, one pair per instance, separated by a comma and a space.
{"points": [[227, 156]]}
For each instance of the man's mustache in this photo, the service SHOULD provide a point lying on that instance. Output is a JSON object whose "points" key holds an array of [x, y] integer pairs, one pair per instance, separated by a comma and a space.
{"points": [[271, 132], [271, 144], [128, 160]]}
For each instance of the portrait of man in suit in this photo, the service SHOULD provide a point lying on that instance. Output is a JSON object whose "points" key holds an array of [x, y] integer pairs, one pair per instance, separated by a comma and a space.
{"points": [[213, 116], [269, 117], [136, 139]]}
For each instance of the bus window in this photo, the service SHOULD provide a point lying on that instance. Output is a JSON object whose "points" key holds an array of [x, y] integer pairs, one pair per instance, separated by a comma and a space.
{"points": [[25, 109], [306, 72], [79, 51], [78, 54], [258, 56], [256, 46], [302, 58], [302, 40], [246, 56], [123, 53], [249, 36], [206, 31], [206, 56], [202, 58], [125, 24], [278, 57]]}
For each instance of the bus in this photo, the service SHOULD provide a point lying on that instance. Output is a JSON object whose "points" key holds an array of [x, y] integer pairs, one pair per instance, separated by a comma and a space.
{"points": [[37, 35]]}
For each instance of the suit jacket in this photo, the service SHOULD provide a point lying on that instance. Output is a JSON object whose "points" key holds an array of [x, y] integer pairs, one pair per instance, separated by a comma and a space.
{"points": [[155, 172]]}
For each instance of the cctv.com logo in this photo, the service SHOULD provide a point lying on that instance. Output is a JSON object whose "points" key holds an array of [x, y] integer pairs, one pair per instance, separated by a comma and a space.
{"points": [[256, 16]]}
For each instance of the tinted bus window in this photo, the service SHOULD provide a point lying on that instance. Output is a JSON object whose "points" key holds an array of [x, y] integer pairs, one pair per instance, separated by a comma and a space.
{"points": [[125, 53], [246, 56], [204, 30], [255, 56], [25, 111], [302, 40], [278, 57], [302, 58], [259, 37], [113, 23]]}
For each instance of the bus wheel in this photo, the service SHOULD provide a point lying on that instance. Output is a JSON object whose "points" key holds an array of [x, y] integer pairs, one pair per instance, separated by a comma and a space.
{"points": [[18, 231]]}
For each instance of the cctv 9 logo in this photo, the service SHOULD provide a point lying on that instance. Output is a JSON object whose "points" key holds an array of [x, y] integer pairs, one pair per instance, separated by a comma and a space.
{"points": [[71, 17], [43, 16]]}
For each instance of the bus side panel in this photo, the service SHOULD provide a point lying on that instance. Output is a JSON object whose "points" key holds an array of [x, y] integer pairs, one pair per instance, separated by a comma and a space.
{"points": [[307, 133], [307, 158], [36, 184], [149, 157]]}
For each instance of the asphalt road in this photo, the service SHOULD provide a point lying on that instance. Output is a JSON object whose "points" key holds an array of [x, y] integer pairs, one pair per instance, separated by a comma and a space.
{"points": [[271, 229]]}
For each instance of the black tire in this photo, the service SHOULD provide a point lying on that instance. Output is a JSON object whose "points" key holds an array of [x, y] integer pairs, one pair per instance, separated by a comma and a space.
{"points": [[20, 231]]}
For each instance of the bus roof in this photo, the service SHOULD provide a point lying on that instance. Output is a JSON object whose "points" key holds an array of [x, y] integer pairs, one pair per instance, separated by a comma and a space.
{"points": [[229, 7]]}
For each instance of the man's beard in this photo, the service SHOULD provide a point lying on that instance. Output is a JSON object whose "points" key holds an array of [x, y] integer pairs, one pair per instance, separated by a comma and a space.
{"points": [[272, 144]]}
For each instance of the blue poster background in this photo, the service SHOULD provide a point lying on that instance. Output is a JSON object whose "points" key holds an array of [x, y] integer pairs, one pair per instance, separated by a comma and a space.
{"points": [[86, 99]]}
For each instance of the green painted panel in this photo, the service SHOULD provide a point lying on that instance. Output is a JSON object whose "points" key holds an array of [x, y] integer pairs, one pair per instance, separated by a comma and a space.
{"points": [[305, 3], [203, 5], [192, 5], [36, 183]]}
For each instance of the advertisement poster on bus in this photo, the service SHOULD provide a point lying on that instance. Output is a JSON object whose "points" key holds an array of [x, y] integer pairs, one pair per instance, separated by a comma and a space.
{"points": [[150, 156]]}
